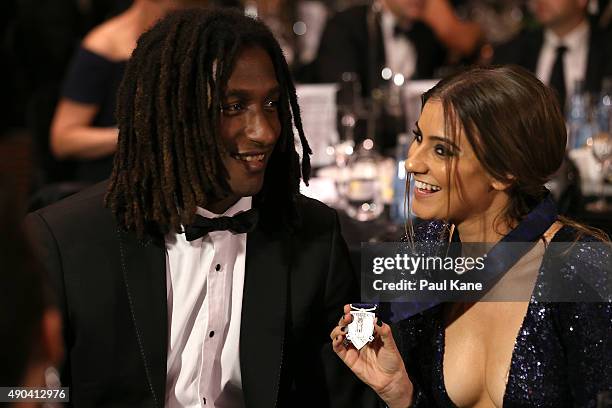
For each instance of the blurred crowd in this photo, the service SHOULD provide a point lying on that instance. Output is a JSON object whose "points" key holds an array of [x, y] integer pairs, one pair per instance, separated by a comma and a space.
{"points": [[64, 60]]}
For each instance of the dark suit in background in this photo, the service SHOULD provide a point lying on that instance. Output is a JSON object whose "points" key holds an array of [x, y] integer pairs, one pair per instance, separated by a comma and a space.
{"points": [[112, 290], [524, 50], [351, 43]]}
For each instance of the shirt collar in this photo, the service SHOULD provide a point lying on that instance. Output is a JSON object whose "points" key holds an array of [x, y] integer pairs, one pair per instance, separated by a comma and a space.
{"points": [[243, 204], [576, 39]]}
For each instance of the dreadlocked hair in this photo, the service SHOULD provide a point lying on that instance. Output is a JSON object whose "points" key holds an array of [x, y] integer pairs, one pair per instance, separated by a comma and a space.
{"points": [[168, 158]]}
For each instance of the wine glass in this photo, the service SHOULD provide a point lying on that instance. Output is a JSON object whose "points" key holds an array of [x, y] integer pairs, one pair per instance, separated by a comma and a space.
{"points": [[601, 147], [349, 103], [363, 190]]}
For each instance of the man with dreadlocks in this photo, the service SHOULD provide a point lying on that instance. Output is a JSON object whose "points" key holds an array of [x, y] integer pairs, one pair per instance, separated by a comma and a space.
{"points": [[199, 276]]}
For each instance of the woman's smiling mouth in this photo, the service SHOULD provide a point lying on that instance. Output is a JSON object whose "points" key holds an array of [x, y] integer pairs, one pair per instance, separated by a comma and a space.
{"points": [[425, 189]]}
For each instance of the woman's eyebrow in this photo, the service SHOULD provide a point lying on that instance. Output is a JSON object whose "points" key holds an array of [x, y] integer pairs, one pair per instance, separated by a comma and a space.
{"points": [[445, 140], [440, 138]]}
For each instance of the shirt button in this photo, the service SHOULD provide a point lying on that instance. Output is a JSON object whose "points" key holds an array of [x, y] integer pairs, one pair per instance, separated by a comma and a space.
{"points": [[217, 267], [212, 333]]}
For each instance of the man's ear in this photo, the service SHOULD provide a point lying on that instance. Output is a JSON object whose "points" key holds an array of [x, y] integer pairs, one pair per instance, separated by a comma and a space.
{"points": [[51, 337]]}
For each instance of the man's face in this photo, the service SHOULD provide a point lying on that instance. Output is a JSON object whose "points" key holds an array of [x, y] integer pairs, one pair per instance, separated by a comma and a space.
{"points": [[551, 13], [250, 126]]}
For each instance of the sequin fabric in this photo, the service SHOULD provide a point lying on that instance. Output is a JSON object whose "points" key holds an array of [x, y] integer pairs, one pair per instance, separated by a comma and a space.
{"points": [[563, 352]]}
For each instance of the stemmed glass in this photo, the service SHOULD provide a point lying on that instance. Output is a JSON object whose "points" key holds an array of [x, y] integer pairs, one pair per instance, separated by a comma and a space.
{"points": [[601, 146], [350, 107], [363, 190], [351, 110]]}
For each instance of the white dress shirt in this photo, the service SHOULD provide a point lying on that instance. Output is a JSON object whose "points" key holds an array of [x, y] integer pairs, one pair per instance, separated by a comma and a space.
{"points": [[574, 59], [205, 279], [400, 53]]}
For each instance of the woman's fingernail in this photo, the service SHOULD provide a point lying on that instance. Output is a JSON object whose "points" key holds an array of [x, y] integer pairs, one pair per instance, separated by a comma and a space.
{"points": [[379, 323]]}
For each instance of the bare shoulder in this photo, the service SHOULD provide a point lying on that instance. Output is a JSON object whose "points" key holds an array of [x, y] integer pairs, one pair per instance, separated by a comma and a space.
{"points": [[110, 38]]}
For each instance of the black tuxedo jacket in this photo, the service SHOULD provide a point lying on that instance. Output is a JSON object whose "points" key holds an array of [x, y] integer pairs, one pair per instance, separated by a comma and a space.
{"points": [[524, 50], [111, 287], [345, 47]]}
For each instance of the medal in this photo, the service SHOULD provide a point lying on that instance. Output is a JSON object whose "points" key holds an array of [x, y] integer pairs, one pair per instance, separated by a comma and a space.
{"points": [[361, 329]]}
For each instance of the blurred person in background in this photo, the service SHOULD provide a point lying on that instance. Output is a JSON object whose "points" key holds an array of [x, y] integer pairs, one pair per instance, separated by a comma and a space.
{"points": [[566, 47], [386, 43], [297, 26], [84, 125], [279, 16], [31, 327], [38, 39], [411, 37]]}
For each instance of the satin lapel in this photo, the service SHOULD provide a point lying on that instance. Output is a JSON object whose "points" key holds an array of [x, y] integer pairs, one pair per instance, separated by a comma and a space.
{"points": [[264, 307], [144, 272]]}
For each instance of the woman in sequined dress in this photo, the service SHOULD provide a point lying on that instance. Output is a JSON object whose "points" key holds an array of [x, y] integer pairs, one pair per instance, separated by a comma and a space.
{"points": [[485, 144]]}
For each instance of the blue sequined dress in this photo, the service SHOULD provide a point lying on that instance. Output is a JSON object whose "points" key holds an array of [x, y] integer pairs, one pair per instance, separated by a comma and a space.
{"points": [[563, 352]]}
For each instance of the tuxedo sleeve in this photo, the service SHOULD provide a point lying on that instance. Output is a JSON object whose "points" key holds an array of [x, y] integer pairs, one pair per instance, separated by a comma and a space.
{"points": [[341, 288], [45, 245]]}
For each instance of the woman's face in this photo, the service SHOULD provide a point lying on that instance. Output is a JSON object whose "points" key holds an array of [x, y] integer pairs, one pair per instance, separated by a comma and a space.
{"points": [[471, 191]]}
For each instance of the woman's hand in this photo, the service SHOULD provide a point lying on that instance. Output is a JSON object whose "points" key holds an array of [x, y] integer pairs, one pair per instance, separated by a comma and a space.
{"points": [[378, 364]]}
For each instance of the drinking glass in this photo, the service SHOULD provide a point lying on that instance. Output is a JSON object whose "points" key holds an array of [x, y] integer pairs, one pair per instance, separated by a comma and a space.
{"points": [[363, 190]]}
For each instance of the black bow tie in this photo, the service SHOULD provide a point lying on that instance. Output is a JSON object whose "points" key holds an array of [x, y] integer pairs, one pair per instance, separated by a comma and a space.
{"points": [[238, 224]]}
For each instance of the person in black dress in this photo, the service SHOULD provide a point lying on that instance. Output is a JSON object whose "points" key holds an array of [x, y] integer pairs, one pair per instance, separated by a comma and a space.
{"points": [[84, 125]]}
